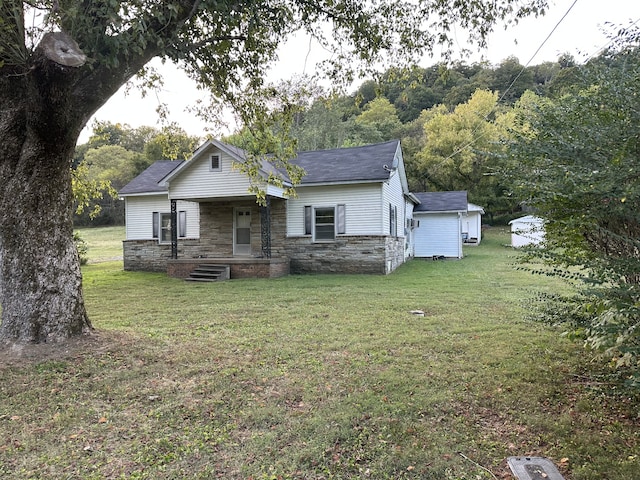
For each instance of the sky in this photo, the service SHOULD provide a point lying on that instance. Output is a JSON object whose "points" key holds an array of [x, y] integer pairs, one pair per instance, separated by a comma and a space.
{"points": [[580, 27]]}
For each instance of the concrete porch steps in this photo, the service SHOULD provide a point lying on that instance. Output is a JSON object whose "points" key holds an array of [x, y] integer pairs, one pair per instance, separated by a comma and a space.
{"points": [[209, 273]]}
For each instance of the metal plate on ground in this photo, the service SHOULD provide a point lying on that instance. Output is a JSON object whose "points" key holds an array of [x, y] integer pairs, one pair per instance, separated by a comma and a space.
{"points": [[533, 468]]}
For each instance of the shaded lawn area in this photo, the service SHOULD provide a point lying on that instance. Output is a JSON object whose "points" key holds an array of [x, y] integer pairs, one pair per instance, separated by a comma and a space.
{"points": [[312, 377]]}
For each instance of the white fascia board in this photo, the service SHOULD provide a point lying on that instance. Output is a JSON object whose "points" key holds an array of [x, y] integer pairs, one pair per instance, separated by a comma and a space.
{"points": [[398, 163], [439, 211], [274, 191], [472, 207], [144, 194], [328, 184], [165, 181], [413, 198]]}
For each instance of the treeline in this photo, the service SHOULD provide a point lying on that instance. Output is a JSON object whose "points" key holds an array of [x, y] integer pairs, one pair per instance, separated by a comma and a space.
{"points": [[113, 156], [450, 119]]}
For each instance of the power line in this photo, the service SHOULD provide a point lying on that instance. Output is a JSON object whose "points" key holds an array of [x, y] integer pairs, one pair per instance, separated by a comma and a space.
{"points": [[538, 49], [459, 150]]}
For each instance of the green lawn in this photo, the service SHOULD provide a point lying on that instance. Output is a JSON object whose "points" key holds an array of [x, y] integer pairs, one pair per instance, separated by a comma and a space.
{"points": [[104, 243], [316, 377]]}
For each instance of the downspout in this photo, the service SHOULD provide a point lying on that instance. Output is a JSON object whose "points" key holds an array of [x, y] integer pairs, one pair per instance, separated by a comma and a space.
{"points": [[459, 234]]}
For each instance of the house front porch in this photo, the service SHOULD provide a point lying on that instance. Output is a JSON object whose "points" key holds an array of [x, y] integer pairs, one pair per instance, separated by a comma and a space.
{"points": [[238, 233]]}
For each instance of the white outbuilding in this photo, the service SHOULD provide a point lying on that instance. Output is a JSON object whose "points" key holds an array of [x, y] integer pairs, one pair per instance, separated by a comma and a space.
{"points": [[439, 226], [528, 230], [472, 224]]}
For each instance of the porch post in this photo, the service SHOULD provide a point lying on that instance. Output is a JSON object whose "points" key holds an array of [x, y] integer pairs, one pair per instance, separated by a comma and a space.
{"points": [[265, 227], [174, 229]]}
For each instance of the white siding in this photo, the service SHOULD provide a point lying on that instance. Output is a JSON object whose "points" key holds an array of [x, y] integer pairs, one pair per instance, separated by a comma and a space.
{"points": [[392, 194], [472, 224], [362, 207], [198, 181], [438, 234], [139, 215]]}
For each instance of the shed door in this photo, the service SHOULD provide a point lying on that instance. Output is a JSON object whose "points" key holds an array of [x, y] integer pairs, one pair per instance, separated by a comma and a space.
{"points": [[242, 231], [438, 234]]}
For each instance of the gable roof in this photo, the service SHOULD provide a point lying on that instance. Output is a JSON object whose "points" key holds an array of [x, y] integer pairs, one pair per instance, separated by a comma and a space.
{"points": [[367, 163], [532, 219], [348, 165], [148, 182], [455, 201]]}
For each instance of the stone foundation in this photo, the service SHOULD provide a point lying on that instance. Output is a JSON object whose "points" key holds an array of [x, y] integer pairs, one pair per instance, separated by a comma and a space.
{"points": [[238, 267], [150, 256], [352, 254]]}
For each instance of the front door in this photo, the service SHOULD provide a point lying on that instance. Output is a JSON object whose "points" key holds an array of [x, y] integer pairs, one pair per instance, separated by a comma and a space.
{"points": [[242, 231]]}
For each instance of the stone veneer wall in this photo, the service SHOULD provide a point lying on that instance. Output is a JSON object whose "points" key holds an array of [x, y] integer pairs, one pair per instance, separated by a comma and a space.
{"points": [[375, 254], [150, 256], [238, 268], [216, 228], [348, 254], [395, 253], [278, 228]]}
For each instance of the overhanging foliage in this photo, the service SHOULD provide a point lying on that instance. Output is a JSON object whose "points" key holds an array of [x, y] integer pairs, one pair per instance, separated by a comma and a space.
{"points": [[577, 163]]}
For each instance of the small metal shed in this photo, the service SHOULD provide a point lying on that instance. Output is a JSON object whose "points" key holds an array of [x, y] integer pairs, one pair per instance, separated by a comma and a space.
{"points": [[528, 230]]}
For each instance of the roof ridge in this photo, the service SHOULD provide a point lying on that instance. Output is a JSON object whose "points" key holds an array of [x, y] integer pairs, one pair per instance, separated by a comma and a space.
{"points": [[348, 148]]}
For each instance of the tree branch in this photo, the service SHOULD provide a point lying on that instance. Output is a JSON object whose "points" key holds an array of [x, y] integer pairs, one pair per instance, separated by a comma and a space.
{"points": [[105, 78]]}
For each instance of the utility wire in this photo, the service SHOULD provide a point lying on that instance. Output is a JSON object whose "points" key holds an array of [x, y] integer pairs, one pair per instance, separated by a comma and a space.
{"points": [[538, 49], [469, 144]]}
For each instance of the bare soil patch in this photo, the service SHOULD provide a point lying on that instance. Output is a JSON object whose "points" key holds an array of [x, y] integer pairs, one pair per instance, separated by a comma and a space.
{"points": [[25, 354]]}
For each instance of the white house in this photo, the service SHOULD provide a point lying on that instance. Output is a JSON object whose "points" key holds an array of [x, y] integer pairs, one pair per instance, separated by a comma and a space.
{"points": [[527, 230], [472, 224], [438, 218], [352, 213]]}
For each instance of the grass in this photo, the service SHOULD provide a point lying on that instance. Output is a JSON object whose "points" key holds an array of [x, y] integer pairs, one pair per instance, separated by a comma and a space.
{"points": [[105, 243], [316, 377]]}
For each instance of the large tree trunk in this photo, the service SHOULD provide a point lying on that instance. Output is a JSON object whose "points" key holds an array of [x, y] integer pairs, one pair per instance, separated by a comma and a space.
{"points": [[41, 290], [40, 280], [46, 98]]}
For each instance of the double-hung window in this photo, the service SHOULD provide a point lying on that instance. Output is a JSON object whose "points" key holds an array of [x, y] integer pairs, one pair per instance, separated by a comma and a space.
{"points": [[324, 223], [162, 226]]}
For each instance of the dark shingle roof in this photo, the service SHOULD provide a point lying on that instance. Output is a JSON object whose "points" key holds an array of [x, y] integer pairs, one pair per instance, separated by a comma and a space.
{"points": [[340, 165], [147, 181], [441, 201], [351, 164]]}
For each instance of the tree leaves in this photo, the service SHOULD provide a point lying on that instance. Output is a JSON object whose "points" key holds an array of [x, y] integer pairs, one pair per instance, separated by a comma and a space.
{"points": [[576, 162]]}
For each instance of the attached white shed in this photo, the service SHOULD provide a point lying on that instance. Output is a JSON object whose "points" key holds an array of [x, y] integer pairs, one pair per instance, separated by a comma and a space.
{"points": [[472, 224], [439, 227], [528, 230]]}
